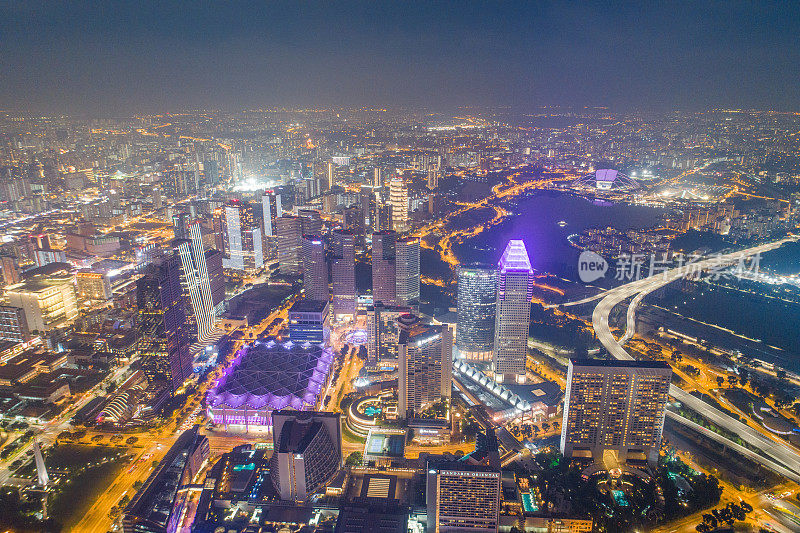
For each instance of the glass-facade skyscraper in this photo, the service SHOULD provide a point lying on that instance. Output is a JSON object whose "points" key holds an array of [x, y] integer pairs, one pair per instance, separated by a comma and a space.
{"points": [[162, 340], [476, 306], [514, 292], [343, 259], [407, 269]]}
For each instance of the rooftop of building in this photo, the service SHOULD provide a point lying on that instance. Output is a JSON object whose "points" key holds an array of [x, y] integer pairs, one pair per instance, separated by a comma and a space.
{"points": [[272, 374], [308, 306], [614, 363], [388, 443]]}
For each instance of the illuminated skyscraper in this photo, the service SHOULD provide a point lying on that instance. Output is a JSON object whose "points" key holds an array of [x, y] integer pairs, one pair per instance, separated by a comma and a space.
{"points": [[615, 406], [315, 268], [398, 199], [241, 237], [384, 284], [407, 261], [329, 176], [383, 332], [196, 282], [343, 272], [477, 305], [462, 498], [425, 362], [514, 292], [290, 231], [162, 342], [271, 209]]}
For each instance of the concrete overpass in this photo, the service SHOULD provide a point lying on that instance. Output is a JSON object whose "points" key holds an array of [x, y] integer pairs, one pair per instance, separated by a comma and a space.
{"points": [[775, 455]]}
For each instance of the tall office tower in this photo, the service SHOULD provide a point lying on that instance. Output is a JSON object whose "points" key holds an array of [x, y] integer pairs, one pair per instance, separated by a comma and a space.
{"points": [[315, 268], [162, 342], [307, 454], [272, 208], [367, 204], [241, 237], [615, 407], [329, 175], [383, 332], [462, 498], [216, 279], [377, 182], [407, 286], [514, 291], [211, 172], [311, 221], [180, 225], [289, 231], [11, 273], [384, 285], [425, 362], [433, 179], [343, 272], [197, 282], [383, 218], [353, 220], [398, 199], [476, 305], [13, 325], [158, 200]]}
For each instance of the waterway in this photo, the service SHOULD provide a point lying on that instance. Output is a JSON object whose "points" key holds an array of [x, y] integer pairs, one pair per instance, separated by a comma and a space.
{"points": [[544, 220]]}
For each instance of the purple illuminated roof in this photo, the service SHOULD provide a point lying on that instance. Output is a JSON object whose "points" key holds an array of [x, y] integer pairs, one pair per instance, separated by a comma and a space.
{"points": [[273, 375], [606, 174], [515, 257]]}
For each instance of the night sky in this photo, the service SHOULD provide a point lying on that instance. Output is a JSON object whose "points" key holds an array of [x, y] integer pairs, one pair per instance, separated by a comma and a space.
{"points": [[116, 58]]}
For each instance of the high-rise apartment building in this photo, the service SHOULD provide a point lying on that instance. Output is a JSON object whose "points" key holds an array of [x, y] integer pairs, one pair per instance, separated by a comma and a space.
{"points": [[307, 454], [462, 498], [398, 199], [407, 270], [615, 406], [384, 270], [289, 231], [425, 362], [162, 341], [315, 268], [13, 324], [513, 318], [241, 237], [343, 259], [476, 306], [11, 271]]}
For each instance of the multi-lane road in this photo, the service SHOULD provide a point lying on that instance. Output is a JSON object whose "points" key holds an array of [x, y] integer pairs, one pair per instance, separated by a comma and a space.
{"points": [[780, 457]]}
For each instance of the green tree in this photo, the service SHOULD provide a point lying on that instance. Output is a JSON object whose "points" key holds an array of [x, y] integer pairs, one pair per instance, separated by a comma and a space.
{"points": [[354, 459]]}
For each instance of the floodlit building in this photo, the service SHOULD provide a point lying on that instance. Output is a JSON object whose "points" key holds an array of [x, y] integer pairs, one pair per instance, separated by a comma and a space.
{"points": [[513, 316], [47, 296], [615, 406], [93, 286], [425, 365], [307, 454], [267, 376], [476, 306], [462, 498], [241, 237], [309, 321], [343, 272], [407, 270], [398, 199]]}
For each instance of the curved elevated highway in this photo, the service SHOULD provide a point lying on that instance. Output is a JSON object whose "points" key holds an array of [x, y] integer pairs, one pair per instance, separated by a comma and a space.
{"points": [[776, 455]]}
